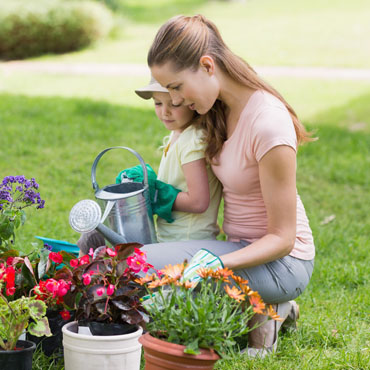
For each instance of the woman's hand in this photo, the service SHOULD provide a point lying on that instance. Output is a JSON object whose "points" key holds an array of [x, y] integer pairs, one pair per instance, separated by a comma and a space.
{"points": [[196, 199], [277, 170]]}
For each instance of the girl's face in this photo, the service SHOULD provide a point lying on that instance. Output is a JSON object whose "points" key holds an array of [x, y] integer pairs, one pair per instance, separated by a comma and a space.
{"points": [[197, 90], [175, 117]]}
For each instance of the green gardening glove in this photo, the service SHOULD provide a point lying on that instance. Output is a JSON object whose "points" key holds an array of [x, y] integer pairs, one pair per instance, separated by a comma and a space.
{"points": [[162, 195], [203, 258]]}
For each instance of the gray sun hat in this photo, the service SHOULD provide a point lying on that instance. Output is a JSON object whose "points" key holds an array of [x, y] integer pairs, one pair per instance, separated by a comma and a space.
{"points": [[147, 91]]}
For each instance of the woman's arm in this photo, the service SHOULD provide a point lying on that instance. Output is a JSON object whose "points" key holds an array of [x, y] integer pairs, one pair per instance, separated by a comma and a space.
{"points": [[277, 171], [196, 199]]}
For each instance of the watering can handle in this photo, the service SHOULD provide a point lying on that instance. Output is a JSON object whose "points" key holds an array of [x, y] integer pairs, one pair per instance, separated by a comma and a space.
{"points": [[137, 155]]}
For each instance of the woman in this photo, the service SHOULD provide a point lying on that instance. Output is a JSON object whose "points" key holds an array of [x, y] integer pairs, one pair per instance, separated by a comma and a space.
{"points": [[252, 137]]}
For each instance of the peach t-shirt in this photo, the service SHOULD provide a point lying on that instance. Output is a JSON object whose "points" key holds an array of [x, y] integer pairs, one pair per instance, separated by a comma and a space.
{"points": [[263, 124]]}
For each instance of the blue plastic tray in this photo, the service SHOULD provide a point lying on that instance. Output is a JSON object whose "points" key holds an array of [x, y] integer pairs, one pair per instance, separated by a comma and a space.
{"points": [[59, 245]]}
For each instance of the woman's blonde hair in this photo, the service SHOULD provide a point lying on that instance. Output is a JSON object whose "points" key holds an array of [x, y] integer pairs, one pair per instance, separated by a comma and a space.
{"points": [[183, 41]]}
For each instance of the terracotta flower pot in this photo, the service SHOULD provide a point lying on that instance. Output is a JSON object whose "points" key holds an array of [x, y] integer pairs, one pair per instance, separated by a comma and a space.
{"points": [[162, 355]]}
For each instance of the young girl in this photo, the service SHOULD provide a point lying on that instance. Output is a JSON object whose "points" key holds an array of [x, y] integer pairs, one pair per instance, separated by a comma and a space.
{"points": [[184, 167], [252, 135]]}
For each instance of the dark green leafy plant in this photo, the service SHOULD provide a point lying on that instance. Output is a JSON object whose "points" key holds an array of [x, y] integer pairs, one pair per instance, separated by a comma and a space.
{"points": [[103, 286]]}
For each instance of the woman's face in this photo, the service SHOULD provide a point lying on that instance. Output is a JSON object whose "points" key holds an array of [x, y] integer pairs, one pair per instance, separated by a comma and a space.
{"points": [[198, 90]]}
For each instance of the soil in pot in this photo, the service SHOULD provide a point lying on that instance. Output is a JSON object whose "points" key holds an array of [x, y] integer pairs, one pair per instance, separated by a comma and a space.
{"points": [[162, 355], [53, 344], [19, 359], [101, 328]]}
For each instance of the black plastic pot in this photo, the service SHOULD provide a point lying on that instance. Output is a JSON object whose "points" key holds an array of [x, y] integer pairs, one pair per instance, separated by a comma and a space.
{"points": [[101, 328], [18, 359], [53, 344]]}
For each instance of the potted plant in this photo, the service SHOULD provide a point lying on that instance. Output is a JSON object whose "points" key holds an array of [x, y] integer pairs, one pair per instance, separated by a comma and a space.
{"points": [[38, 277], [15, 316], [16, 193], [108, 309], [196, 324]]}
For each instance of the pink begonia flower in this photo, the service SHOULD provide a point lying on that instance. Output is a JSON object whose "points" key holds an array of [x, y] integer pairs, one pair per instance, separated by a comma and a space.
{"points": [[110, 289], [63, 287], [74, 262], [84, 260], [86, 279], [52, 286], [111, 252], [137, 262], [100, 291]]}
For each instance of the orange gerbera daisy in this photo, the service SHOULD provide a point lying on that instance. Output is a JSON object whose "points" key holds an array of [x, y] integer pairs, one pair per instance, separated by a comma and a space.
{"points": [[256, 302], [223, 274], [204, 272], [174, 272], [189, 285], [239, 280], [246, 289], [235, 293], [145, 279], [273, 314], [157, 283]]}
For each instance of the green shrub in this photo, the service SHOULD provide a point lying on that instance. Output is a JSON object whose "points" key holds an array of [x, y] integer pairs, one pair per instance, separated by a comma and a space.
{"points": [[31, 28]]}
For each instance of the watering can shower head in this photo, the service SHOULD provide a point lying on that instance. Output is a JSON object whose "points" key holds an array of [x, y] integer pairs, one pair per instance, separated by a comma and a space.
{"points": [[85, 216]]}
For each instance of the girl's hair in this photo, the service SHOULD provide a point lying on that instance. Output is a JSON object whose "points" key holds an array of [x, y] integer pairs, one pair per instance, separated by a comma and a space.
{"points": [[183, 41]]}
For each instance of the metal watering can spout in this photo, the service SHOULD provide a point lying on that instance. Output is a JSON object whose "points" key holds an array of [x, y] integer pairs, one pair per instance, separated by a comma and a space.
{"points": [[85, 216]]}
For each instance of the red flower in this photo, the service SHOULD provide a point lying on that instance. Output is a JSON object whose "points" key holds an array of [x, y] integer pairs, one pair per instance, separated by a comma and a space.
{"points": [[111, 252], [137, 262], [74, 262], [9, 278], [100, 291], [56, 257], [65, 315], [86, 279], [84, 260], [9, 261], [110, 289]]}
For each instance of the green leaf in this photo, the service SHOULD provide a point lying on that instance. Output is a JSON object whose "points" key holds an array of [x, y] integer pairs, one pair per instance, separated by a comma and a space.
{"points": [[193, 348], [37, 309], [40, 328]]}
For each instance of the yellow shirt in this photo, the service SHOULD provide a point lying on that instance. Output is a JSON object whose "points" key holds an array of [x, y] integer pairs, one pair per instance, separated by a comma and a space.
{"points": [[188, 226]]}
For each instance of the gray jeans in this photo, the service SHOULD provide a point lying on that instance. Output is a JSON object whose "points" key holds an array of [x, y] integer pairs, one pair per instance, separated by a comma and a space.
{"points": [[277, 281]]}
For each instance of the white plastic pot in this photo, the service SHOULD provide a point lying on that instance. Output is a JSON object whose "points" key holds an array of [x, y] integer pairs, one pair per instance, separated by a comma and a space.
{"points": [[111, 352]]}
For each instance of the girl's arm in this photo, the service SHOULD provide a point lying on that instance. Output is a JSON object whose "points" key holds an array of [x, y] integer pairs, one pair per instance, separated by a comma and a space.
{"points": [[277, 170], [196, 199]]}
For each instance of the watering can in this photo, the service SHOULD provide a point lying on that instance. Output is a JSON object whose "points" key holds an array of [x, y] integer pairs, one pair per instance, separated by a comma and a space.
{"points": [[127, 213]]}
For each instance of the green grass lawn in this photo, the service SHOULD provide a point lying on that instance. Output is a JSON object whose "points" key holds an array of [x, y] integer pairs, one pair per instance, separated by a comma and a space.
{"points": [[53, 126]]}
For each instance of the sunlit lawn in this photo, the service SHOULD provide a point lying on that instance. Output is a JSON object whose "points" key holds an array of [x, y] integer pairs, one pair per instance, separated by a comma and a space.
{"points": [[331, 33]]}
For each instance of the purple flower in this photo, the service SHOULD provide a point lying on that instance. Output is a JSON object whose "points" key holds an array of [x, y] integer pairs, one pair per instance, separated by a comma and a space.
{"points": [[48, 247]]}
